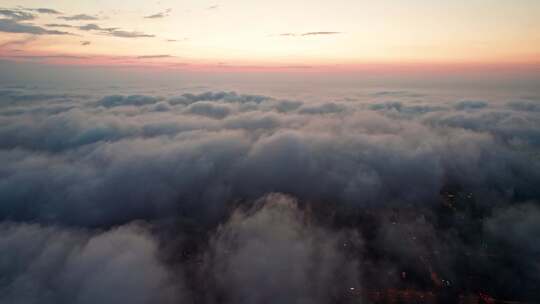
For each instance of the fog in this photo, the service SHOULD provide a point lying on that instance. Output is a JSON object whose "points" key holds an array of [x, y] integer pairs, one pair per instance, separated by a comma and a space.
{"points": [[214, 192]]}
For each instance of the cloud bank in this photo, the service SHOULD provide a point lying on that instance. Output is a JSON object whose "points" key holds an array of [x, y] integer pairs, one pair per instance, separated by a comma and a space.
{"points": [[221, 197]]}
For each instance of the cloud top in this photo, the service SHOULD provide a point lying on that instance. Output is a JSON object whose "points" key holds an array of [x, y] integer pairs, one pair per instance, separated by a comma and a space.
{"points": [[224, 197]]}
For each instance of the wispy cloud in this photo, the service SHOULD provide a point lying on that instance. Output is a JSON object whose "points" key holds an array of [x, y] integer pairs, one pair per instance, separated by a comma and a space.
{"points": [[154, 56], [41, 10], [12, 26], [59, 25], [322, 33], [159, 15], [176, 40], [95, 27], [225, 65], [16, 15], [128, 34], [213, 7], [18, 42], [78, 17], [43, 57], [155, 16], [110, 31]]}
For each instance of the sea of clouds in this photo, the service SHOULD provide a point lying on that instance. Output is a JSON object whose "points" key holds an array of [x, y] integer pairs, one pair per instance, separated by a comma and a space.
{"points": [[223, 197]]}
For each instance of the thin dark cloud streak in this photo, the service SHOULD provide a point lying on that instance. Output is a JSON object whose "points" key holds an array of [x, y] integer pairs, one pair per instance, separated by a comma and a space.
{"points": [[159, 15], [143, 61], [79, 17], [17, 15], [48, 11], [110, 31], [13, 26], [322, 33], [19, 42], [176, 40], [155, 16], [128, 34], [42, 57], [59, 25], [154, 56], [95, 27]]}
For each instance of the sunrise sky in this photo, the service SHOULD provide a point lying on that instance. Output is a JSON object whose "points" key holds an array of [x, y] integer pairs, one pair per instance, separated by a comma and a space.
{"points": [[280, 151], [271, 34]]}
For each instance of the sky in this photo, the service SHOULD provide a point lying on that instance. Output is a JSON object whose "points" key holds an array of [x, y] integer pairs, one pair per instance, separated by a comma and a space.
{"points": [[240, 151], [282, 35]]}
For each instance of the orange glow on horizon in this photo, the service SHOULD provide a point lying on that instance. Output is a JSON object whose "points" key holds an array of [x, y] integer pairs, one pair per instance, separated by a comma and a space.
{"points": [[350, 35]]}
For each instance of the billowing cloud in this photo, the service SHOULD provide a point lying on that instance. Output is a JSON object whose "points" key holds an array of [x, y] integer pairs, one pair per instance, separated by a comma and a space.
{"points": [[471, 105], [378, 197], [119, 100], [57, 265], [272, 254], [208, 109], [525, 105], [324, 108]]}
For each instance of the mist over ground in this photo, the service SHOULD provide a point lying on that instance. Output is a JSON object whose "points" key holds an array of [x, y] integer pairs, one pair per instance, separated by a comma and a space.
{"points": [[199, 195]]}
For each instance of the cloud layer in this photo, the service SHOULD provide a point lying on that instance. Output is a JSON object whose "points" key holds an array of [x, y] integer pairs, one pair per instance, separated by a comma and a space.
{"points": [[391, 194]]}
